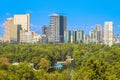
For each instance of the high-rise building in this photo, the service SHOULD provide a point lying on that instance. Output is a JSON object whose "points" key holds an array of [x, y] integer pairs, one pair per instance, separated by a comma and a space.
{"points": [[23, 20], [74, 36], [67, 36], [93, 36], [57, 27], [80, 36], [99, 34], [44, 30], [8, 23], [108, 33], [15, 33], [87, 38]]}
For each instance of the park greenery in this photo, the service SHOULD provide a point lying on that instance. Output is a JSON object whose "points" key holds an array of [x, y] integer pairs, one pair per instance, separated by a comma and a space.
{"points": [[91, 61]]}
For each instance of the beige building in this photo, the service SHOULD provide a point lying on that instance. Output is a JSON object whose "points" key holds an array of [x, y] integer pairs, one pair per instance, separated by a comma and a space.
{"points": [[99, 33], [108, 33], [17, 29], [25, 37], [23, 20], [15, 33], [8, 23]]}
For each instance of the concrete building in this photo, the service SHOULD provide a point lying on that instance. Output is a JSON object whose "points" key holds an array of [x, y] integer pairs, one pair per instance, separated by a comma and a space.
{"points": [[36, 37], [23, 20], [57, 27], [67, 36], [44, 30], [8, 23], [99, 33], [74, 36], [43, 39], [86, 39], [108, 33], [15, 33], [25, 37], [93, 36], [80, 36]]}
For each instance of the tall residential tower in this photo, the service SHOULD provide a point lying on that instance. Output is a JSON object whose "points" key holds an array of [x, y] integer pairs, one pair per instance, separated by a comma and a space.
{"points": [[108, 33], [57, 27]]}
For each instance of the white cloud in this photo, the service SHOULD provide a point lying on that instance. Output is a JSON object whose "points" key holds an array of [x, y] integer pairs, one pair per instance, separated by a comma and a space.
{"points": [[1, 25], [35, 28], [7, 14], [28, 11], [118, 25], [1, 29]]}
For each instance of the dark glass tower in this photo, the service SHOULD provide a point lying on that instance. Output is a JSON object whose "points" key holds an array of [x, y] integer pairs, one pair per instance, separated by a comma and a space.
{"points": [[57, 27]]}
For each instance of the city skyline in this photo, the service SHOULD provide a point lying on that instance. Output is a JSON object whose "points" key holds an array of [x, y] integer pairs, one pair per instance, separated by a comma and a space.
{"points": [[83, 15]]}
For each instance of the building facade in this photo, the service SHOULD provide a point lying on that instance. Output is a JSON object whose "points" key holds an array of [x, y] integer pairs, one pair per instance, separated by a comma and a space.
{"points": [[108, 33], [99, 34], [15, 33], [8, 23], [67, 36], [57, 27], [23, 20], [93, 36], [86, 38], [80, 36]]}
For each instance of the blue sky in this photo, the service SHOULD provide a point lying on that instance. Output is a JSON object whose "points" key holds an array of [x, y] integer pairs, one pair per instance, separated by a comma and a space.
{"points": [[81, 14]]}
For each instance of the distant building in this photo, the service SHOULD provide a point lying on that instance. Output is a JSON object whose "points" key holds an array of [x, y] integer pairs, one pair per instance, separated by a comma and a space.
{"points": [[35, 37], [74, 36], [57, 27], [25, 37], [93, 36], [80, 36], [86, 39], [67, 36], [99, 33], [23, 20], [43, 39], [15, 33], [108, 33], [17, 29], [8, 23], [44, 30]]}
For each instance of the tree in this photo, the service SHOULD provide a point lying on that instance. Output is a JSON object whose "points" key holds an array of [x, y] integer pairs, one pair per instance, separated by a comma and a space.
{"points": [[44, 64]]}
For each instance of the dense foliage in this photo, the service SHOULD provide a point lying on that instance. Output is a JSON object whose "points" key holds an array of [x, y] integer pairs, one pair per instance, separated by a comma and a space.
{"points": [[91, 62]]}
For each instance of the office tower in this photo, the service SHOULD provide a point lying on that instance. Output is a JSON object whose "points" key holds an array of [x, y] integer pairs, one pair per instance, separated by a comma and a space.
{"points": [[8, 23], [44, 29], [86, 39], [108, 33], [80, 36], [99, 34], [57, 27], [74, 36], [15, 33], [67, 36], [93, 36], [23, 20]]}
